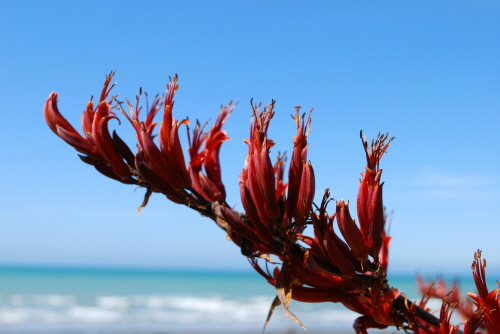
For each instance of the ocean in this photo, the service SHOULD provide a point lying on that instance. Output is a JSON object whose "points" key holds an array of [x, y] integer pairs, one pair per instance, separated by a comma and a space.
{"points": [[125, 301]]}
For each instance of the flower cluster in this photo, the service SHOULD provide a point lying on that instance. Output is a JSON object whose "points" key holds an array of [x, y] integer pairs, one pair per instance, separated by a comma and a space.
{"points": [[343, 262]]}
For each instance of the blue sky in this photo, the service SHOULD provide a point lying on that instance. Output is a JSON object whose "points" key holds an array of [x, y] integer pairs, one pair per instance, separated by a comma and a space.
{"points": [[428, 72]]}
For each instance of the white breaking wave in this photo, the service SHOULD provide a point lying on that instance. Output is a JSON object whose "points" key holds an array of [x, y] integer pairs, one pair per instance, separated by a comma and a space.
{"points": [[123, 314]]}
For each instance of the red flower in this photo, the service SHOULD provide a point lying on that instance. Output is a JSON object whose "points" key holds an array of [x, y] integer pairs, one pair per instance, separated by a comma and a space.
{"points": [[165, 164], [489, 301], [169, 137], [259, 171], [299, 159], [257, 179], [107, 153], [369, 203], [208, 185], [350, 232]]}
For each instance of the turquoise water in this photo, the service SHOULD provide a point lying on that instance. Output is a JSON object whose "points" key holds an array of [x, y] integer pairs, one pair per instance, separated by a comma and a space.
{"points": [[83, 300]]}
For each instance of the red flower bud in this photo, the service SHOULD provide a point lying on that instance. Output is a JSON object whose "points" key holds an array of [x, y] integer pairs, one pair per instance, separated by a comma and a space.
{"points": [[103, 152], [369, 202], [216, 137], [279, 170], [490, 301], [169, 137], [306, 194], [351, 232], [332, 248], [150, 176], [308, 274], [61, 127], [299, 158], [258, 173], [237, 224], [253, 214], [384, 251], [265, 173], [210, 187], [104, 142], [157, 160]]}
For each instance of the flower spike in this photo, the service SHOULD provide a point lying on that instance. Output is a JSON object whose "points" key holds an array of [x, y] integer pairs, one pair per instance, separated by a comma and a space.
{"points": [[369, 203], [210, 186], [100, 149], [169, 137], [258, 172], [351, 232], [299, 158], [322, 267], [490, 301]]}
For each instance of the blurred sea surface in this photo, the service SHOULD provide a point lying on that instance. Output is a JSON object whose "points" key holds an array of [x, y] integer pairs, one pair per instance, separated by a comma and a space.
{"points": [[122, 301]]}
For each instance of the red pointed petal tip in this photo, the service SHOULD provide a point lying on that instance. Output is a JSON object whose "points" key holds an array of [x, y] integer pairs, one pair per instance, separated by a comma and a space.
{"points": [[213, 169], [369, 201], [384, 251], [209, 188], [299, 157], [51, 112], [445, 317], [253, 214], [258, 172], [377, 220], [78, 142], [87, 120], [158, 161], [306, 194], [320, 220], [176, 156], [267, 183], [216, 137], [104, 142], [54, 118], [490, 301], [303, 127], [197, 158], [252, 183], [62, 128], [376, 150], [279, 171], [479, 273], [351, 232], [209, 156], [168, 119], [106, 89], [338, 252], [329, 245], [307, 273], [169, 136]]}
